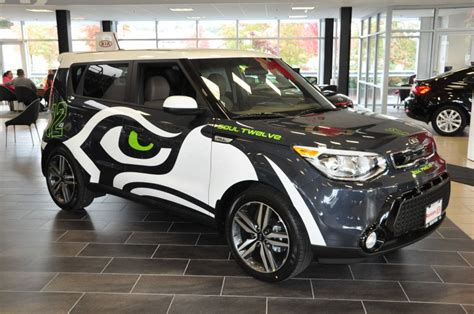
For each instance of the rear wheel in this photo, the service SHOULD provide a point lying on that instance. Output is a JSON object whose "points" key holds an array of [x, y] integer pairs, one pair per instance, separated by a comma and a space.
{"points": [[65, 180], [266, 235], [449, 120]]}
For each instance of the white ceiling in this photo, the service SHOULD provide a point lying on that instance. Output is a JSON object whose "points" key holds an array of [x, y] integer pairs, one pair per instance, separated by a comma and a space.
{"points": [[225, 9]]}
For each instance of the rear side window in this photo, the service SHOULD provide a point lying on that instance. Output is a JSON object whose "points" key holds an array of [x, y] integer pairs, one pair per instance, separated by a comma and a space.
{"points": [[77, 71], [106, 81]]}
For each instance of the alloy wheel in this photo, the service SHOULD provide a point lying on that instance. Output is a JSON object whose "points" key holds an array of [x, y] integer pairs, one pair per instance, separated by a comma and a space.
{"points": [[61, 180], [449, 120], [260, 237]]}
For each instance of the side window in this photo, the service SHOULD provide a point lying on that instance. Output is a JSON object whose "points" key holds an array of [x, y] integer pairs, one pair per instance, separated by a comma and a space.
{"points": [[161, 80], [106, 81], [77, 71]]}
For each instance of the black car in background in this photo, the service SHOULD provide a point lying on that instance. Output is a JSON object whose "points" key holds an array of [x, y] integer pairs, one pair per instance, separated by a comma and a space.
{"points": [[444, 100]]}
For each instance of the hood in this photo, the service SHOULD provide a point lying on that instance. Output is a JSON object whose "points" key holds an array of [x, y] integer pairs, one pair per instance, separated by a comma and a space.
{"points": [[347, 129]]}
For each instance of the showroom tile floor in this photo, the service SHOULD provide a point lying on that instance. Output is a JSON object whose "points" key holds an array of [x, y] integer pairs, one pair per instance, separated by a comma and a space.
{"points": [[118, 256]]}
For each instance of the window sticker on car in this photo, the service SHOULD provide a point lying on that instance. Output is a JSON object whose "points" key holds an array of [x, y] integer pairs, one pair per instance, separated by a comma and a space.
{"points": [[248, 131], [421, 169], [56, 124], [397, 132], [133, 142]]}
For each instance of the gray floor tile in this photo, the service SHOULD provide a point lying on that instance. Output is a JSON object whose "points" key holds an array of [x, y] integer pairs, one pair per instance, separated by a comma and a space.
{"points": [[74, 225], [358, 290], [95, 236], [114, 215], [139, 226], [122, 303], [34, 302], [163, 238], [456, 274], [437, 292], [179, 285], [289, 306], [23, 281], [411, 308], [15, 263], [215, 268], [147, 266], [469, 257], [453, 233], [36, 236], [165, 216], [324, 271], [191, 227], [118, 250], [42, 249], [56, 214], [92, 283], [68, 264], [217, 305], [444, 245], [406, 256], [394, 272], [297, 288], [192, 252], [212, 239]]}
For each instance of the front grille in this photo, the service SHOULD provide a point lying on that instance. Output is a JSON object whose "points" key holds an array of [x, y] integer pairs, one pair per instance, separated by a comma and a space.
{"points": [[412, 209], [412, 156]]}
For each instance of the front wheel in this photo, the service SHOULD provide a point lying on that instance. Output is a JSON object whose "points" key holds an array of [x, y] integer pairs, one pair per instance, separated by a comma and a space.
{"points": [[449, 121], [266, 235], [65, 180]]}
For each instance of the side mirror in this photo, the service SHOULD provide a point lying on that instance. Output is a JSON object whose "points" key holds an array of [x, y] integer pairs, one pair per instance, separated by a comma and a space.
{"points": [[181, 104]]}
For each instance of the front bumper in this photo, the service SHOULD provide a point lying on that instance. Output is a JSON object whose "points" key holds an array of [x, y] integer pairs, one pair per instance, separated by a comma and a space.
{"points": [[401, 225]]}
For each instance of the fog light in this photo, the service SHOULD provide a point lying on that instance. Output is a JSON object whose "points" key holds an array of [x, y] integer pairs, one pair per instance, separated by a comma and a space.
{"points": [[371, 240]]}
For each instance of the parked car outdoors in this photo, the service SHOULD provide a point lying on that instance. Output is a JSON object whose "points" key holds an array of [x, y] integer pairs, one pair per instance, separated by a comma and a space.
{"points": [[241, 141], [444, 101]]}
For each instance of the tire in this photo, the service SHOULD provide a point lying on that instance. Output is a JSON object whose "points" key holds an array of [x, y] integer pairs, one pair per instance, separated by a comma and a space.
{"points": [[290, 255], [68, 177], [454, 119]]}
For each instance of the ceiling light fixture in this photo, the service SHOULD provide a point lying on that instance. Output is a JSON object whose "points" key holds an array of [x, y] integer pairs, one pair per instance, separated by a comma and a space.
{"points": [[302, 8], [78, 18], [181, 9], [196, 17], [39, 10], [298, 16]]}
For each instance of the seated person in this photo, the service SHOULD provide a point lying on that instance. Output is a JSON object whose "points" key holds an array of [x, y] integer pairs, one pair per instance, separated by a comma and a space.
{"points": [[7, 77], [22, 80]]}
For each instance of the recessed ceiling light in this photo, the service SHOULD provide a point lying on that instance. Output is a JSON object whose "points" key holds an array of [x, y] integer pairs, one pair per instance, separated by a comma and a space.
{"points": [[196, 17], [39, 10], [297, 16], [302, 8], [181, 9]]}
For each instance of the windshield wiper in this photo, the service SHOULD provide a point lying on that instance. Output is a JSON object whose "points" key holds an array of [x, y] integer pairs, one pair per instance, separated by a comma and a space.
{"points": [[315, 110], [261, 115]]}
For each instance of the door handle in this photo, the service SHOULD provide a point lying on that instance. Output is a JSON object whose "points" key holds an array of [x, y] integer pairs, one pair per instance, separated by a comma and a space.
{"points": [[222, 139]]}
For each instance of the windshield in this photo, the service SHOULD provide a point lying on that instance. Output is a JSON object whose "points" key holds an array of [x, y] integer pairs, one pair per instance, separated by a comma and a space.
{"points": [[259, 86]]}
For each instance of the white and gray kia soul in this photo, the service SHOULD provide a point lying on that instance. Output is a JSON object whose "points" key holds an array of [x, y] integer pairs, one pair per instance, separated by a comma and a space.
{"points": [[240, 140]]}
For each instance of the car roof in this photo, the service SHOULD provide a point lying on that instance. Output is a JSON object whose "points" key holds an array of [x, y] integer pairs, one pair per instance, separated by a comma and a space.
{"points": [[68, 58]]}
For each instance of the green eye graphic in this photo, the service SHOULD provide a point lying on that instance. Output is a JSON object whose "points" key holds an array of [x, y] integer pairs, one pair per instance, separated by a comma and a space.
{"points": [[133, 142]]}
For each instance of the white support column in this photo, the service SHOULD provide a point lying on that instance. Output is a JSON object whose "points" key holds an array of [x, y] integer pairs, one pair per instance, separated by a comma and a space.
{"points": [[386, 64], [470, 146]]}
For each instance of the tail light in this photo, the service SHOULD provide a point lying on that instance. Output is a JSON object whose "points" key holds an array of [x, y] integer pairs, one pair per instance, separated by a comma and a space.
{"points": [[421, 89]]}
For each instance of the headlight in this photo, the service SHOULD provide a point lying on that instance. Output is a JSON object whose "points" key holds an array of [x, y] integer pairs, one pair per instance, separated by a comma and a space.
{"points": [[343, 165]]}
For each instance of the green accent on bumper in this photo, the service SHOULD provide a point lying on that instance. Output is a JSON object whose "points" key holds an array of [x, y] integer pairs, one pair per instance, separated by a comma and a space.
{"points": [[422, 169], [133, 142]]}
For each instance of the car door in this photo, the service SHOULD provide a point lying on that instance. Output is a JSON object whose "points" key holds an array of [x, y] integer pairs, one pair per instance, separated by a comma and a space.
{"points": [[168, 151], [96, 90]]}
